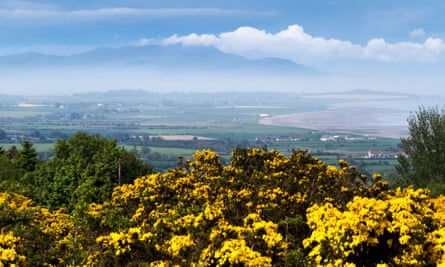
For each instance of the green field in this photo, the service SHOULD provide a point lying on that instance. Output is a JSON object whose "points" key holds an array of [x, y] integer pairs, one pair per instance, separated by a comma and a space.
{"points": [[140, 119]]}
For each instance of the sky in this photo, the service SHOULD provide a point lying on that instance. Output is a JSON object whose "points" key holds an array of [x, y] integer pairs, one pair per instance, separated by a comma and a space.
{"points": [[396, 45]]}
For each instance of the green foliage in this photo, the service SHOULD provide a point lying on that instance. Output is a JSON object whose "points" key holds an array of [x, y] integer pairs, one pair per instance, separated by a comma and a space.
{"points": [[424, 163], [12, 152], [86, 168], [9, 175], [131, 166], [16, 167], [27, 157]]}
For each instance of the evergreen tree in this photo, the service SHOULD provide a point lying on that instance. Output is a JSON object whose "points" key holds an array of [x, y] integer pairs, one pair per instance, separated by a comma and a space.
{"points": [[12, 152], [9, 175], [27, 157]]}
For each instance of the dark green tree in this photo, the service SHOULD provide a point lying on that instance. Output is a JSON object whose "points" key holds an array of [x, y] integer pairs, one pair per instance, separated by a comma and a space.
{"points": [[85, 169], [12, 152], [16, 167], [423, 164], [131, 166], [27, 157], [9, 175]]}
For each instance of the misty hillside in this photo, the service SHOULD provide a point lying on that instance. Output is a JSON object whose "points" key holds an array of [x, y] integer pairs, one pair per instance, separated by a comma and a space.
{"points": [[158, 56]]}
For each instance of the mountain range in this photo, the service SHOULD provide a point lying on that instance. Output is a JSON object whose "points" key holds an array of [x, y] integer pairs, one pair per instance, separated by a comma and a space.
{"points": [[164, 57]]}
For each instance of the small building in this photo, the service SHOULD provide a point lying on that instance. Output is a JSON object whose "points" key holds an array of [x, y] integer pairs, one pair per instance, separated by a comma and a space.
{"points": [[375, 154]]}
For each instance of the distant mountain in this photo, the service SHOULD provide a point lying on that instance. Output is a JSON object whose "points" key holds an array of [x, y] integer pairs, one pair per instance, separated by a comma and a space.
{"points": [[159, 56], [30, 59]]}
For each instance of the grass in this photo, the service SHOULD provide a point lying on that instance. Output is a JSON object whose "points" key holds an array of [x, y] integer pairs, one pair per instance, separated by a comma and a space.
{"points": [[172, 151]]}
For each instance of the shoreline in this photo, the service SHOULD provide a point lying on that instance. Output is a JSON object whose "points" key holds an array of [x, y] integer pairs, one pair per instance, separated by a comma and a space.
{"points": [[357, 123]]}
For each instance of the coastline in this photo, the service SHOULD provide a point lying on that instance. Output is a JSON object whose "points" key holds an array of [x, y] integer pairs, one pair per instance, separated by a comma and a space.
{"points": [[332, 121]]}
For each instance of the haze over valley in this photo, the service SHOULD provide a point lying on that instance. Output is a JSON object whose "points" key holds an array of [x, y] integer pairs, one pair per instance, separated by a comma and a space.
{"points": [[62, 48], [167, 68]]}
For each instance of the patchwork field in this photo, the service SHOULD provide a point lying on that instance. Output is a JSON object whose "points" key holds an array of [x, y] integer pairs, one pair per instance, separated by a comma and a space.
{"points": [[163, 127]]}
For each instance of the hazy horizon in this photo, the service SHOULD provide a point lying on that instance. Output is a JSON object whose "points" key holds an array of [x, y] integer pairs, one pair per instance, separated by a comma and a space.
{"points": [[395, 46]]}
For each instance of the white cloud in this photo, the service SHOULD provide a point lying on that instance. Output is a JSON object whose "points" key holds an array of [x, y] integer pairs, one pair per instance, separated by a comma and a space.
{"points": [[295, 44], [193, 39], [432, 49], [417, 33], [144, 41], [292, 43]]}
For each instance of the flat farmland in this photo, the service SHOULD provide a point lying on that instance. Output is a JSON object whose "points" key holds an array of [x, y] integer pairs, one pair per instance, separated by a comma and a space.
{"points": [[330, 126]]}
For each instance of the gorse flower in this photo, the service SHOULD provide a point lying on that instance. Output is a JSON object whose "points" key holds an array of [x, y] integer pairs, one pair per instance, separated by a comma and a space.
{"points": [[395, 231], [262, 209]]}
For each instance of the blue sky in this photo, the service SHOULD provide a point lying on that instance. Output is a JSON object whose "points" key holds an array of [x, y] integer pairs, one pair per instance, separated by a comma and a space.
{"points": [[390, 40], [107, 23]]}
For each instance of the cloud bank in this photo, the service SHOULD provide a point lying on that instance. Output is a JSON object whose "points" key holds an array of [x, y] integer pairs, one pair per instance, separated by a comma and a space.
{"points": [[295, 44]]}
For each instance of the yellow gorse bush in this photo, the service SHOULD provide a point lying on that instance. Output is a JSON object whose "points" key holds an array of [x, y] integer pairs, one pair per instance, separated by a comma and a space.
{"points": [[9, 256], [31, 233], [249, 212], [396, 230], [262, 209]]}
